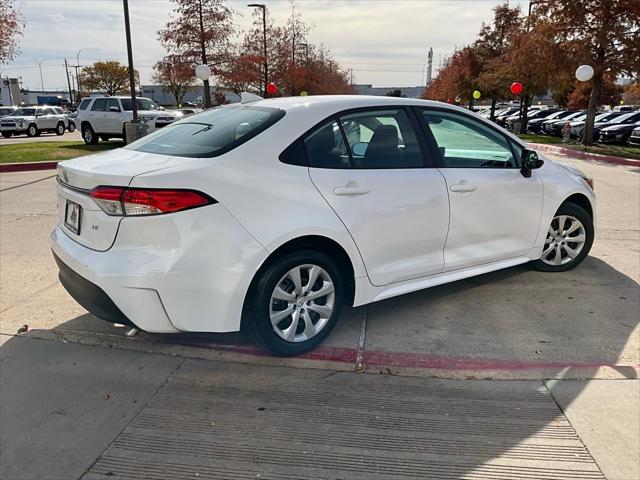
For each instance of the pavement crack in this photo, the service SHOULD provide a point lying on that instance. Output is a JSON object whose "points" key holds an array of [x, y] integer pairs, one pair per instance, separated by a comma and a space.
{"points": [[27, 183]]}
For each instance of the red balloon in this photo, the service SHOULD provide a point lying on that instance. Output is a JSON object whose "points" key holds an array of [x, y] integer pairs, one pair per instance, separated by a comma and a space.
{"points": [[449, 101], [272, 89], [516, 88]]}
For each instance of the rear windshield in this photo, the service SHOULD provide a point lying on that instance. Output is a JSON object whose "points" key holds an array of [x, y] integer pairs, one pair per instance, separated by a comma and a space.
{"points": [[209, 133]]}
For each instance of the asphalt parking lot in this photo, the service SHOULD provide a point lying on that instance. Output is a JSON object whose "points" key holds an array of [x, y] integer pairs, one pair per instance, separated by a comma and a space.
{"points": [[573, 337]]}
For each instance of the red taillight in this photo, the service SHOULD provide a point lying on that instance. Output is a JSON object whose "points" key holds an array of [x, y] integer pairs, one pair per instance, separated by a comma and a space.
{"points": [[147, 201]]}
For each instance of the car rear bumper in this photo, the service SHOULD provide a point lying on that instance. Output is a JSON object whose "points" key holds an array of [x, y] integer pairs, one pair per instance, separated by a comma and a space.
{"points": [[187, 271], [89, 295]]}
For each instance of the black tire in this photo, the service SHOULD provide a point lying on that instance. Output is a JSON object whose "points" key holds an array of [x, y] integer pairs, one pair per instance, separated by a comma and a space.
{"points": [[72, 127], [32, 131], [583, 216], [89, 136], [6, 134], [60, 129], [260, 300]]}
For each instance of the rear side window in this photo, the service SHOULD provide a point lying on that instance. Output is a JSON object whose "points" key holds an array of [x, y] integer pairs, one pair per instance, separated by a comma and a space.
{"points": [[112, 102], [99, 105], [84, 104], [370, 139], [209, 133]]}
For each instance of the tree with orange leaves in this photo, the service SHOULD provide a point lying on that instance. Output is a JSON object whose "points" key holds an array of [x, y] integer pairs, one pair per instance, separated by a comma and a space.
{"points": [[175, 75], [199, 33], [12, 24], [607, 33]]}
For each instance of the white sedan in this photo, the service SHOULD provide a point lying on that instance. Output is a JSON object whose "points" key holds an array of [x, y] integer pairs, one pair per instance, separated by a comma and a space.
{"points": [[269, 216]]}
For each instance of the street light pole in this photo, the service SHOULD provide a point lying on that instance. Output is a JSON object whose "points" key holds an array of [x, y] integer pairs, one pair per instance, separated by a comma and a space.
{"points": [[66, 70], [77, 66], [264, 35], [132, 75], [39, 62]]}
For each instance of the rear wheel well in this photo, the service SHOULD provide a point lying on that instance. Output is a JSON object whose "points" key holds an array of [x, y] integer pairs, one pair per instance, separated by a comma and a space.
{"points": [[312, 242], [581, 201]]}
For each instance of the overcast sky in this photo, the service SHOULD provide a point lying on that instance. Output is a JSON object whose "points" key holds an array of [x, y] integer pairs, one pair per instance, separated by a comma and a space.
{"points": [[385, 42]]}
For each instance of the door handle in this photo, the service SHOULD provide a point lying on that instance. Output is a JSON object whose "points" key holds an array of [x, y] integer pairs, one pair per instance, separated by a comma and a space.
{"points": [[351, 188], [462, 187]]}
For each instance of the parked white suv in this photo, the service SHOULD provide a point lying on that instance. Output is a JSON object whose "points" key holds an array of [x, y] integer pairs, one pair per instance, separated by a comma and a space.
{"points": [[102, 118], [33, 121]]}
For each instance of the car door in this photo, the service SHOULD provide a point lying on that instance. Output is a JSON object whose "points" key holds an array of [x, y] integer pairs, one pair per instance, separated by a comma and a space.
{"points": [[97, 115], [112, 123], [371, 170], [495, 210], [46, 119]]}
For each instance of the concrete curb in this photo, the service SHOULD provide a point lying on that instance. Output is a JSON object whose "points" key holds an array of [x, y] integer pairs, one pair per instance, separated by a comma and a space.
{"points": [[570, 152], [28, 166], [410, 364]]}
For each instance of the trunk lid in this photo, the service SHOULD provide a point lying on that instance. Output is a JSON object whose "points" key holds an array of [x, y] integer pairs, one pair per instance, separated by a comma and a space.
{"points": [[76, 178]]}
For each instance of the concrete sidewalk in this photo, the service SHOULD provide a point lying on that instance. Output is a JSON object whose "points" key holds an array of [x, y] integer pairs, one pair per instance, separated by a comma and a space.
{"points": [[71, 411]]}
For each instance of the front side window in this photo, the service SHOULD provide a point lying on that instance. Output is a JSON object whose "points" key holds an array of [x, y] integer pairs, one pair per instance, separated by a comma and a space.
{"points": [[84, 104], [209, 133], [99, 105], [26, 112], [464, 142], [381, 139]]}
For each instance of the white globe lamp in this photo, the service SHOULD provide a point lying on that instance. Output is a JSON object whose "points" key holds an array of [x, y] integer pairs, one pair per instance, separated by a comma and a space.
{"points": [[584, 73], [203, 72]]}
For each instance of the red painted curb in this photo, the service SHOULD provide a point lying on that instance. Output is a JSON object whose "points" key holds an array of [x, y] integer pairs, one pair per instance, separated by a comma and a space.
{"points": [[569, 152], [405, 359], [27, 166]]}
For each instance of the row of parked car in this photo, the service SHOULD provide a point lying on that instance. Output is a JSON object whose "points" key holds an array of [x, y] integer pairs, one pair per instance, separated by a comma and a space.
{"points": [[612, 127], [97, 117]]}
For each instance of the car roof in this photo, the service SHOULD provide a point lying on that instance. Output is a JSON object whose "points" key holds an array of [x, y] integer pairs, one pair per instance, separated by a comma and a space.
{"points": [[344, 102]]}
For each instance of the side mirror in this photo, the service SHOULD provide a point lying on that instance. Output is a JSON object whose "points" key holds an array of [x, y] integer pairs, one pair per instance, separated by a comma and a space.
{"points": [[529, 161], [114, 109]]}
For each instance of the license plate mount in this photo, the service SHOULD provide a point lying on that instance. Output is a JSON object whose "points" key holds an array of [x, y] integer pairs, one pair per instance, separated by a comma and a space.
{"points": [[73, 216]]}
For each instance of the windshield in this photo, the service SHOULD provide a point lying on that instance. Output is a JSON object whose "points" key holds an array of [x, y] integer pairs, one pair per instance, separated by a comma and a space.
{"points": [[25, 112], [209, 133], [142, 103], [627, 118]]}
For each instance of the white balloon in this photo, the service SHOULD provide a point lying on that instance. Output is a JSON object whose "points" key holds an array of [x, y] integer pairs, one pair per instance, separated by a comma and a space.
{"points": [[203, 72], [584, 73]]}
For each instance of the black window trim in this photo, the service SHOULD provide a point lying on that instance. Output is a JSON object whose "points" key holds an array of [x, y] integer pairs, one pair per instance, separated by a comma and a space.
{"points": [[427, 160], [434, 145]]}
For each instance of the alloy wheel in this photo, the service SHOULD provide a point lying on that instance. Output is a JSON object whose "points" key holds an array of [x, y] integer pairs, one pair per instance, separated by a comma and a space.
{"points": [[565, 240], [302, 303]]}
